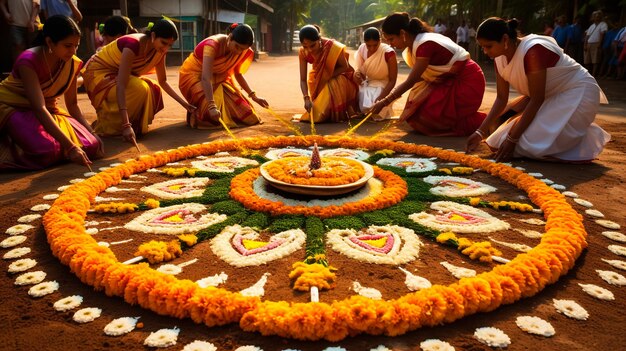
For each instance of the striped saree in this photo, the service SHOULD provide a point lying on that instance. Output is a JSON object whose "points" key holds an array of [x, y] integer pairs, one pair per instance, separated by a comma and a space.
{"points": [[236, 110], [143, 95], [24, 143]]}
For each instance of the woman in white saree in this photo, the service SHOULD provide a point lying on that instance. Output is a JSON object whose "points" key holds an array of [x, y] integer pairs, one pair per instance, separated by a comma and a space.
{"points": [[558, 104], [376, 72]]}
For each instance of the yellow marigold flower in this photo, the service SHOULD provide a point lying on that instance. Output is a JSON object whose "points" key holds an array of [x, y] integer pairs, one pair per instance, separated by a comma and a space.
{"points": [[474, 201], [159, 251], [308, 275], [445, 170], [445, 236], [116, 207], [464, 242], [188, 239], [385, 152], [152, 203], [462, 170], [481, 251]]}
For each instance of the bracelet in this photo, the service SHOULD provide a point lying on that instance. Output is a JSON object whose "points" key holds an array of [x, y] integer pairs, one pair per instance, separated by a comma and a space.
{"points": [[510, 139], [251, 93], [480, 133], [126, 125], [306, 97]]}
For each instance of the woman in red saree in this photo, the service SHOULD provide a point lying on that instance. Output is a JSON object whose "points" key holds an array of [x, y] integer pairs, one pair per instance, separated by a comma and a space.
{"points": [[329, 92], [206, 80], [446, 86], [35, 132], [124, 99]]}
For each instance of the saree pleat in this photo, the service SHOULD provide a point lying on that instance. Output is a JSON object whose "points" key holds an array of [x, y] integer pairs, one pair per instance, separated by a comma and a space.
{"points": [[236, 110], [24, 143], [143, 95]]}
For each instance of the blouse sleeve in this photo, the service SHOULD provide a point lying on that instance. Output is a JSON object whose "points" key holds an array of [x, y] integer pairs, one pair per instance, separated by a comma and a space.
{"points": [[389, 54], [438, 55], [539, 57], [128, 42]]}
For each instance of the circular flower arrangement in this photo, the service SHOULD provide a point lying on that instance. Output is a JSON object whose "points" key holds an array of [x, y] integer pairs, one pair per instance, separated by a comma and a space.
{"points": [[246, 223]]}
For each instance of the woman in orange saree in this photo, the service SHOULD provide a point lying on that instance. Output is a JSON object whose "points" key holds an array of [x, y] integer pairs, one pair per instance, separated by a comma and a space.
{"points": [[206, 80], [329, 92], [35, 132], [446, 85], [124, 99]]}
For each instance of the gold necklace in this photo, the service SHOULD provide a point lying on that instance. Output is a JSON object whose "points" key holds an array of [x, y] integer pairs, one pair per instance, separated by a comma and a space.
{"points": [[45, 58]]}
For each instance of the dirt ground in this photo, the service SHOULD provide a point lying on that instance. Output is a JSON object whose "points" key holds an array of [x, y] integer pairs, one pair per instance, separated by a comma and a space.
{"points": [[32, 324]]}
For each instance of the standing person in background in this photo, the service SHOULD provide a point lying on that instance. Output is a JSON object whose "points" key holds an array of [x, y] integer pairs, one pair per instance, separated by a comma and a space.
{"points": [[562, 33], [462, 35], [22, 16], [67, 8], [592, 41], [35, 131], [125, 100], [558, 99], [206, 80], [575, 48], [446, 86], [473, 46], [333, 94], [606, 49], [440, 27], [376, 72]]}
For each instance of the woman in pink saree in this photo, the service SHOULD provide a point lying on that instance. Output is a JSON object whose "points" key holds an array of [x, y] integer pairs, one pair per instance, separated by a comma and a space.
{"points": [[329, 92], [206, 80], [125, 100], [35, 132]]}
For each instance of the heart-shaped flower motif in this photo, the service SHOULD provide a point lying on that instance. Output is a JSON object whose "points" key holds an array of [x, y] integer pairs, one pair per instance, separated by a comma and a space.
{"points": [[459, 218], [180, 188], [243, 246], [223, 164], [389, 244], [457, 186], [175, 220]]}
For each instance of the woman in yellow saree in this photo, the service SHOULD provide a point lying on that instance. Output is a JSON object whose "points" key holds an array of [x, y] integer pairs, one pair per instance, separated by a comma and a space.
{"points": [[124, 99], [206, 80], [35, 132], [329, 92]]}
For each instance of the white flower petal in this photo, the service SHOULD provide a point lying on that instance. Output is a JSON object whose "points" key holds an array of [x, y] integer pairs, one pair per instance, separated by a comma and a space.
{"points": [[435, 345], [570, 194], [121, 326], [535, 325], [594, 213], [51, 196], [162, 338], [86, 315], [21, 265], [68, 303], [199, 345], [616, 263], [582, 202], [458, 272], [19, 229], [29, 218], [43, 289], [40, 207], [612, 277], [30, 278], [493, 337], [598, 292], [617, 236], [608, 224], [17, 252], [617, 249], [571, 309]]}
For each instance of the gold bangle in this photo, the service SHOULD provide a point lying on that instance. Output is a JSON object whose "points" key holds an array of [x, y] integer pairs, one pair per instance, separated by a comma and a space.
{"points": [[480, 133], [306, 97], [251, 93]]}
